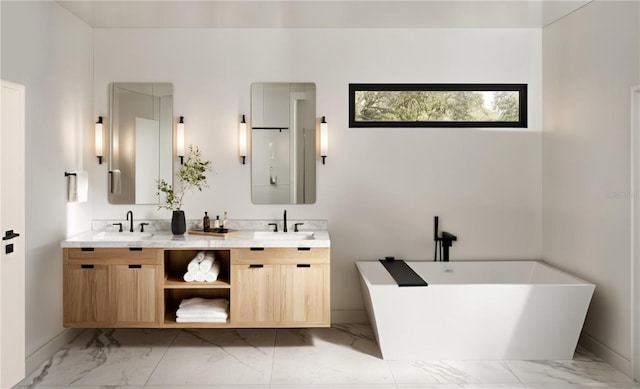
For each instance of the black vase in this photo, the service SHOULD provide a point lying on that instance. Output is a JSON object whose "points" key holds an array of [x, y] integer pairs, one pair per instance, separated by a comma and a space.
{"points": [[178, 223]]}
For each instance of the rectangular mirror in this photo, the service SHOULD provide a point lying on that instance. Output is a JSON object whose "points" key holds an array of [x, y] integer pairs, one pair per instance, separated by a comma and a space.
{"points": [[140, 141], [283, 143]]}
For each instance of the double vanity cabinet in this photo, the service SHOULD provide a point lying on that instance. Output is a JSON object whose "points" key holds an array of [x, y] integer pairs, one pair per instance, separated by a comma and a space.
{"points": [[140, 284]]}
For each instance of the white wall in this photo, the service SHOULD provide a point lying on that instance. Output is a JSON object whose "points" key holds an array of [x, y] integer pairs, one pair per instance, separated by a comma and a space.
{"points": [[49, 51], [380, 188], [591, 61]]}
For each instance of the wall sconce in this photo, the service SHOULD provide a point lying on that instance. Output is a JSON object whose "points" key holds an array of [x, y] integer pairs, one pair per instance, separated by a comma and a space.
{"points": [[180, 140], [242, 140], [324, 139], [99, 139]]}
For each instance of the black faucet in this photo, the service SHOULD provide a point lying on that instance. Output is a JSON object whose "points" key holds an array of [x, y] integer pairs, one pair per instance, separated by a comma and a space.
{"points": [[285, 221], [445, 242], [130, 213]]}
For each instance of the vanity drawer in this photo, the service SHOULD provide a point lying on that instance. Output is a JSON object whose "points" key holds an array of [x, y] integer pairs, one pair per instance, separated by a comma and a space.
{"points": [[247, 256], [115, 255]]}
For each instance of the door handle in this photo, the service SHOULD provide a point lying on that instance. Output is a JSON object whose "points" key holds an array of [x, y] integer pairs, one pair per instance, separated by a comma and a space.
{"points": [[8, 235]]}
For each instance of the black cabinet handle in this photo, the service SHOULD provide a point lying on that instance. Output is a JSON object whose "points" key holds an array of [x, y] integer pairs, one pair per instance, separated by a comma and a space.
{"points": [[257, 249], [256, 266], [83, 266], [304, 248], [135, 248], [303, 265], [8, 235], [87, 249], [135, 266]]}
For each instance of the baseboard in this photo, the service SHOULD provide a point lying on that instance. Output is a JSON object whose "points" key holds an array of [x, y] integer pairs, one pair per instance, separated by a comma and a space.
{"points": [[608, 355], [45, 352], [343, 316]]}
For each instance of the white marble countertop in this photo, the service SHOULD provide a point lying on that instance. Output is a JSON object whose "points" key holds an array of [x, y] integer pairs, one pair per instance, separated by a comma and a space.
{"points": [[164, 239]]}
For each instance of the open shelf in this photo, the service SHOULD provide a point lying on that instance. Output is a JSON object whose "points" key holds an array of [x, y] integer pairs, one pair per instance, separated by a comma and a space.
{"points": [[175, 265], [173, 297], [173, 281]]}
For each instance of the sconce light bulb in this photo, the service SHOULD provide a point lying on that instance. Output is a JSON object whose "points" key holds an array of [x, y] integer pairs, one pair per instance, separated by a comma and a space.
{"points": [[324, 139], [242, 140], [180, 139], [99, 140]]}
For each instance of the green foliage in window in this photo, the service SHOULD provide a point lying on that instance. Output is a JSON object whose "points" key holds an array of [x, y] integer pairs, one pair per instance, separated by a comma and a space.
{"points": [[413, 106]]}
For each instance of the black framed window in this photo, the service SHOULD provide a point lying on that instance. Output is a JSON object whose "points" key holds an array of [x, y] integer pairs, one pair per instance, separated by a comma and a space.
{"points": [[438, 105]]}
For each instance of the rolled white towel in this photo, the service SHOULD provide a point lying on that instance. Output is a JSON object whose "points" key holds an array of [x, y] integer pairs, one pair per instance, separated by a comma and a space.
{"points": [[213, 273], [194, 265], [199, 277], [189, 276], [206, 263], [210, 276]]}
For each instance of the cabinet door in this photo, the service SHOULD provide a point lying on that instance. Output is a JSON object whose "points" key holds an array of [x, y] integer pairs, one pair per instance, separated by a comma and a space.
{"points": [[254, 295], [85, 295], [135, 298], [304, 290]]}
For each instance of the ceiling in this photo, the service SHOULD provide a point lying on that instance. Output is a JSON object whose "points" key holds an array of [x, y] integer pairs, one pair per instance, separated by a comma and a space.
{"points": [[321, 13]]}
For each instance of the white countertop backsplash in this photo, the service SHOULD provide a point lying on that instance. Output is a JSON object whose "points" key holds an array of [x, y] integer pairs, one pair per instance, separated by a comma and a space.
{"points": [[195, 224]]}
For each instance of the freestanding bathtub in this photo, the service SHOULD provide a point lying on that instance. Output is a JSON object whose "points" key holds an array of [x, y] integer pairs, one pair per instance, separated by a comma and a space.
{"points": [[476, 310]]}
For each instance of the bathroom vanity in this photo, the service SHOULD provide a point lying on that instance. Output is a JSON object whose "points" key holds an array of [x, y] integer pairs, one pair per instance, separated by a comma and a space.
{"points": [[127, 280]]}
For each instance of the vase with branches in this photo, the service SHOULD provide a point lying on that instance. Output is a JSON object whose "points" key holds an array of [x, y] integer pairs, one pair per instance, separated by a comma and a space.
{"points": [[191, 175]]}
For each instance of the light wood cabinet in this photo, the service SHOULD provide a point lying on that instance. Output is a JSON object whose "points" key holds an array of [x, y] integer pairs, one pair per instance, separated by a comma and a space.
{"points": [[266, 287], [284, 287], [85, 297], [304, 294], [135, 296], [112, 287], [254, 296]]}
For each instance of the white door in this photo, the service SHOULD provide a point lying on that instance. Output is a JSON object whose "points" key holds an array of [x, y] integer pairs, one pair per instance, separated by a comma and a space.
{"points": [[12, 228]]}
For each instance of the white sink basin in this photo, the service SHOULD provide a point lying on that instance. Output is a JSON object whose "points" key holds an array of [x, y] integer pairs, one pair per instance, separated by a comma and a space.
{"points": [[122, 236], [268, 235]]}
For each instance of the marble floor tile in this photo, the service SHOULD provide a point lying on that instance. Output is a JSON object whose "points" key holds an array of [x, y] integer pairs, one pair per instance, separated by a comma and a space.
{"points": [[217, 357], [229, 386], [460, 386], [608, 385], [341, 355], [334, 386], [449, 372], [82, 387], [104, 357], [566, 372]]}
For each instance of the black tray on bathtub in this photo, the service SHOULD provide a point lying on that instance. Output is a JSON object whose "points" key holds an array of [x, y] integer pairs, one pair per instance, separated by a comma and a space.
{"points": [[402, 273]]}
